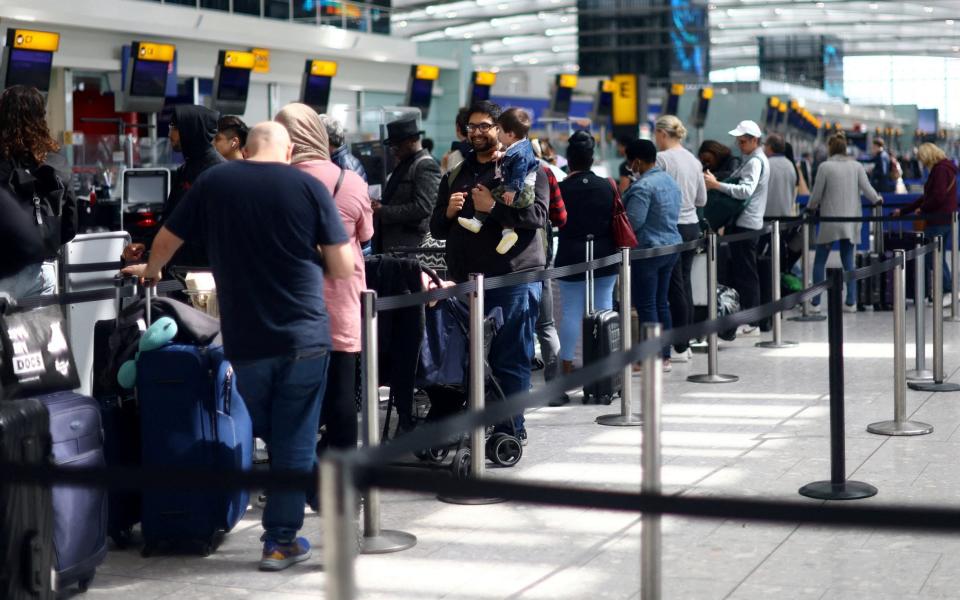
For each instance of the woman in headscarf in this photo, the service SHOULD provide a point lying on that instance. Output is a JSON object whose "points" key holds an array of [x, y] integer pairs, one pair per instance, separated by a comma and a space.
{"points": [[311, 154]]}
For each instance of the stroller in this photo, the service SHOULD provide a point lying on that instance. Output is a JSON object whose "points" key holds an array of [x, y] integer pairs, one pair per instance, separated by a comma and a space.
{"points": [[442, 377]]}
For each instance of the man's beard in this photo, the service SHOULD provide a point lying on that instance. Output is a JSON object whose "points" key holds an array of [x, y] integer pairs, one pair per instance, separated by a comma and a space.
{"points": [[486, 146]]}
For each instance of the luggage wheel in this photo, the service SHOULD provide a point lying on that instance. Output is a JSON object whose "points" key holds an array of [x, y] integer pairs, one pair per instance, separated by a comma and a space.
{"points": [[461, 464], [433, 455], [504, 449]]}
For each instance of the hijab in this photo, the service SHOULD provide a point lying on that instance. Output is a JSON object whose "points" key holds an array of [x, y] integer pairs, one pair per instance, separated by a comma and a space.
{"points": [[307, 132]]}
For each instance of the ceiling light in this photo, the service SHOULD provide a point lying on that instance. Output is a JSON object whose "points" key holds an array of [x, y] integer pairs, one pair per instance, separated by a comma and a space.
{"points": [[778, 11], [561, 31], [533, 61], [28, 18], [467, 36], [949, 21], [494, 69], [873, 6], [721, 26], [820, 5], [451, 15], [956, 48], [928, 9], [503, 6], [764, 24], [402, 24], [431, 9], [712, 6], [514, 27], [564, 19]]}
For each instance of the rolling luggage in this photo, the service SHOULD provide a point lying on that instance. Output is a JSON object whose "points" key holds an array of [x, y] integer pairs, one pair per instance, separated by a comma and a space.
{"points": [[872, 290], [601, 338], [900, 240], [191, 416], [26, 511], [79, 513]]}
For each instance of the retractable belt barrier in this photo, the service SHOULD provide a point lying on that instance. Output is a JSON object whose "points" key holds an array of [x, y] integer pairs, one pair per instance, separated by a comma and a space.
{"points": [[128, 290]]}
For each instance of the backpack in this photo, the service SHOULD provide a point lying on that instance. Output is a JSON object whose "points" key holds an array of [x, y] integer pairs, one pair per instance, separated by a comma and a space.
{"points": [[42, 195]]}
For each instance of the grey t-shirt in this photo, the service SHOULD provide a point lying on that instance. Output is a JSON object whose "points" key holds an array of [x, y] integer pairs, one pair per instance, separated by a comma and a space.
{"points": [[687, 171], [754, 176], [782, 190]]}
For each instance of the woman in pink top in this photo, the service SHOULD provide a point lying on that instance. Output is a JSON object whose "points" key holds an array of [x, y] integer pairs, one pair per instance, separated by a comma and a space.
{"points": [[311, 153]]}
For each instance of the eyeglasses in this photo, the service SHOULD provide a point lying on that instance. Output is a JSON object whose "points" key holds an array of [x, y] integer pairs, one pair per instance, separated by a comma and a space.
{"points": [[481, 127]]}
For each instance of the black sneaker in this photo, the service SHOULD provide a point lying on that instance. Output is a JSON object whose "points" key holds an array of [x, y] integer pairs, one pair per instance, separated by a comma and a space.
{"points": [[563, 400]]}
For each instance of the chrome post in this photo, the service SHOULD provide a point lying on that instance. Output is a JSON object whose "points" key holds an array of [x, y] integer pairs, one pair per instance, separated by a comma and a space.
{"points": [[339, 529], [776, 318], [954, 270], [626, 417], [712, 375], [938, 384], [806, 314], [920, 371], [650, 547]]}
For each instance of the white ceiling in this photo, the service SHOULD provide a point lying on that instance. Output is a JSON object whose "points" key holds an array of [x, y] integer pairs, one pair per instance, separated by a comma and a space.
{"points": [[509, 34]]}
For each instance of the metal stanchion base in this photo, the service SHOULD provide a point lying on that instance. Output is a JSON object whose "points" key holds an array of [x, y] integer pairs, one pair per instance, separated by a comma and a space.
{"points": [[902, 428], [708, 378], [807, 318], [848, 490], [618, 420], [388, 541], [780, 344], [463, 501], [921, 375], [932, 386]]}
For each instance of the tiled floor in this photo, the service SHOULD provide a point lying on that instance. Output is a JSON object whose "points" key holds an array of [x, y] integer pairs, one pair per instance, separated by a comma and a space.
{"points": [[763, 436]]}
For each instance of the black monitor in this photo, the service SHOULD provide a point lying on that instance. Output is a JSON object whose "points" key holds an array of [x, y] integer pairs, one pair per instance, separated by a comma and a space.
{"points": [[316, 91], [145, 187], [29, 67], [420, 95], [562, 95], [603, 102], [148, 78], [233, 84]]}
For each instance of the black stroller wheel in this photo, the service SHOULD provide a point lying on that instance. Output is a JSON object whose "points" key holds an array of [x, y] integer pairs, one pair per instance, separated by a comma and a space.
{"points": [[490, 445], [437, 455], [461, 464], [507, 451]]}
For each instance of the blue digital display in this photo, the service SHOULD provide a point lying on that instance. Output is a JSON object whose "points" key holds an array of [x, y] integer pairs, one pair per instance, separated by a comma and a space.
{"points": [[149, 78], [30, 68], [234, 84], [316, 92], [689, 37]]}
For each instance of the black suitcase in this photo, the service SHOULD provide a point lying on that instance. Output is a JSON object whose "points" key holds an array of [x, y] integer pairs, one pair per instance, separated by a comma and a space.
{"points": [[79, 513], [901, 240], [26, 511], [115, 341], [601, 338], [870, 291]]}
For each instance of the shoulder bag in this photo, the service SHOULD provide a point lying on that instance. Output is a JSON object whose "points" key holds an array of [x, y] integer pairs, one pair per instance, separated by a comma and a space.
{"points": [[620, 228]]}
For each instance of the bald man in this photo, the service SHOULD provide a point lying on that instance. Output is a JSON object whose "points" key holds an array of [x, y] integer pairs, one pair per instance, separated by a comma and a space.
{"points": [[262, 222]]}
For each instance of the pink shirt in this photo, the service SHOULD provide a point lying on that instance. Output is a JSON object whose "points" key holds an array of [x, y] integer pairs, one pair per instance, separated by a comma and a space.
{"points": [[342, 296]]}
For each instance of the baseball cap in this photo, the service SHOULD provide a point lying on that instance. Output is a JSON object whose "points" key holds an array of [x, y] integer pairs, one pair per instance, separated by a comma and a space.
{"points": [[747, 128]]}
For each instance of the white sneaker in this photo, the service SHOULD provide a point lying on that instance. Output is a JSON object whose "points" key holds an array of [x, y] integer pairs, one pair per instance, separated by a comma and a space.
{"points": [[850, 308], [472, 224], [667, 367], [681, 357], [748, 331], [814, 309], [507, 240]]}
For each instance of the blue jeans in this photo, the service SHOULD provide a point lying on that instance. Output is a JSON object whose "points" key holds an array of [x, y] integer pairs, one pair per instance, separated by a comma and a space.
{"points": [[512, 348], [33, 280], [651, 290], [932, 231], [571, 313], [820, 264], [284, 395]]}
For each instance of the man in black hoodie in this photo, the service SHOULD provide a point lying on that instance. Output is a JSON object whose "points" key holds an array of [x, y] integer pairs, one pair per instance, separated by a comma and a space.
{"points": [[192, 129]]}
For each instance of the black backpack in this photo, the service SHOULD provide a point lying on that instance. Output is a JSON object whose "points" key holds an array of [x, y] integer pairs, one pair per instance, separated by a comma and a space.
{"points": [[43, 196]]}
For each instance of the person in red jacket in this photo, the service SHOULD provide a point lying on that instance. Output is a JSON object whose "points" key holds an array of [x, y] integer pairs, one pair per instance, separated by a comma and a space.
{"points": [[939, 199]]}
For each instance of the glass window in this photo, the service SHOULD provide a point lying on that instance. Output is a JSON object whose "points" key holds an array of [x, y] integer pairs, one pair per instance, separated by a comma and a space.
{"points": [[247, 7]]}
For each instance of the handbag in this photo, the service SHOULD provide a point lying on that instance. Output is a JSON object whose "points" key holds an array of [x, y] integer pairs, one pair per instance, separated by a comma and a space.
{"points": [[35, 356], [620, 228], [722, 209]]}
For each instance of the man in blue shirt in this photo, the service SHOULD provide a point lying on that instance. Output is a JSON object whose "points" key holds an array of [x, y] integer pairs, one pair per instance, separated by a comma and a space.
{"points": [[262, 221], [653, 207]]}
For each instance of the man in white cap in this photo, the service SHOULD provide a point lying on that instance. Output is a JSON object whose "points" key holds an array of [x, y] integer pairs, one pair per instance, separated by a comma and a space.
{"points": [[748, 183]]}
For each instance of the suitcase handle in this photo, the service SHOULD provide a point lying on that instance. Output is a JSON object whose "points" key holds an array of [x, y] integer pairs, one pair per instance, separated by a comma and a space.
{"points": [[588, 280]]}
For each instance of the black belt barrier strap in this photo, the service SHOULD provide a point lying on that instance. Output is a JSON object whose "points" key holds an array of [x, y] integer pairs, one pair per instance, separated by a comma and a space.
{"points": [[642, 253], [93, 267], [915, 253], [744, 235], [870, 271], [74, 297]]}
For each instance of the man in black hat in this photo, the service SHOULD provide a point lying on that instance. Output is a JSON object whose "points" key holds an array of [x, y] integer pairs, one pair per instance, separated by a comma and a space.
{"points": [[402, 219]]}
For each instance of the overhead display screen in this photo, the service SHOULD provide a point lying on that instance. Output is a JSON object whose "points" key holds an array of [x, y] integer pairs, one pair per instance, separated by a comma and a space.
{"points": [[149, 78], [421, 92], [234, 84], [30, 68], [316, 92]]}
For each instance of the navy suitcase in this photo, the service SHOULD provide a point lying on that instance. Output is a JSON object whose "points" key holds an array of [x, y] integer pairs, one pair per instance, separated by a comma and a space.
{"points": [[79, 513], [26, 514], [191, 416]]}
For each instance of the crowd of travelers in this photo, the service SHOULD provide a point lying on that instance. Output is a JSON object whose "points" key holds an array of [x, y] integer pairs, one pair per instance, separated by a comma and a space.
{"points": [[286, 205]]}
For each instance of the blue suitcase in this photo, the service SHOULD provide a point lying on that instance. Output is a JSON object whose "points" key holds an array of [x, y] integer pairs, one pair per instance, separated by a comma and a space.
{"points": [[79, 513], [191, 416]]}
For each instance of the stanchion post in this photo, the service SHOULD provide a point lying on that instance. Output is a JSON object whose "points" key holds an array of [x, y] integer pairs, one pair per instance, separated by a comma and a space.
{"points": [[806, 314], [375, 539], [712, 375], [838, 487], [626, 417], [954, 269], [920, 371], [899, 425], [339, 528], [938, 384], [776, 318], [650, 546]]}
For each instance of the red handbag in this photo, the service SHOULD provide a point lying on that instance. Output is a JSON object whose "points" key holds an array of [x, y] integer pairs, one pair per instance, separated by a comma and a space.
{"points": [[620, 227]]}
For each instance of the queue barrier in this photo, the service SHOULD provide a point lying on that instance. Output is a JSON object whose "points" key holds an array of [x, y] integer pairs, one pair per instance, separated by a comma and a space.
{"points": [[341, 473]]}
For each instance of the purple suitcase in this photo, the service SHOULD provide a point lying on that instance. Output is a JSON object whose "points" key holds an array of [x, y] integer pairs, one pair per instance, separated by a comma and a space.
{"points": [[79, 513]]}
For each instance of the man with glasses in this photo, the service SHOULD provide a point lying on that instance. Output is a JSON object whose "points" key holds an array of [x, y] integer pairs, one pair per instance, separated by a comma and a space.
{"points": [[465, 191], [748, 183]]}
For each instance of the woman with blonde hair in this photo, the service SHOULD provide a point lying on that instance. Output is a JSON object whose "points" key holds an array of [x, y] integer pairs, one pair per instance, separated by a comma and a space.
{"points": [[687, 171], [939, 199], [836, 192]]}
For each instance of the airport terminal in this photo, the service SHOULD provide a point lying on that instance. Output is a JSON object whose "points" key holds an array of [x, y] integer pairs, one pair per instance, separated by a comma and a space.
{"points": [[479, 299]]}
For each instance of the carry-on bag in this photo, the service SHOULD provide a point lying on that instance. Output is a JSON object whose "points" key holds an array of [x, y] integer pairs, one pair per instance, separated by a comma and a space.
{"points": [[35, 356], [26, 513], [601, 338], [192, 416], [79, 513]]}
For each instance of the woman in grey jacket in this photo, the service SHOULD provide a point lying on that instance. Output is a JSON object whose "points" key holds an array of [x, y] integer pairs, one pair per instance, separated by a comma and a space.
{"points": [[839, 183]]}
